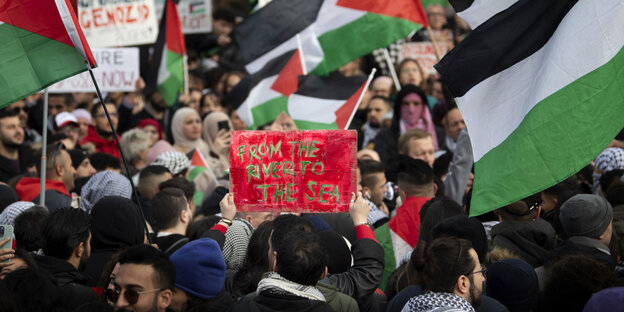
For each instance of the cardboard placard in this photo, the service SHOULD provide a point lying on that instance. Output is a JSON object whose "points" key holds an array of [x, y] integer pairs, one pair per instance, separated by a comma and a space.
{"points": [[117, 71], [296, 171], [114, 23], [424, 53], [195, 15]]}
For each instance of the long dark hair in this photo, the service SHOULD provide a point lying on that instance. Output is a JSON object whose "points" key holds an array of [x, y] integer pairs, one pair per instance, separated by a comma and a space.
{"points": [[257, 262]]}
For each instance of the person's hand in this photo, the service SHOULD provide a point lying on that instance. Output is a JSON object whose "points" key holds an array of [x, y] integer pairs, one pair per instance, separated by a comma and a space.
{"points": [[139, 85], [6, 254], [358, 209], [224, 40], [136, 100], [228, 209], [221, 143], [184, 99]]}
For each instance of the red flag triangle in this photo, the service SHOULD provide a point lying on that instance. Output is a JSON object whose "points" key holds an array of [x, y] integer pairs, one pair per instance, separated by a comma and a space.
{"points": [[286, 82]]}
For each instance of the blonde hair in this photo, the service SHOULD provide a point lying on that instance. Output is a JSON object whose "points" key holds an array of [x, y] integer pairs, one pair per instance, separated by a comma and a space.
{"points": [[406, 137]]}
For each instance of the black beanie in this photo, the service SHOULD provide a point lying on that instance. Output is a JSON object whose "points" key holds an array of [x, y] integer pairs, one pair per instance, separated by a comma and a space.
{"points": [[466, 228], [77, 156], [338, 253]]}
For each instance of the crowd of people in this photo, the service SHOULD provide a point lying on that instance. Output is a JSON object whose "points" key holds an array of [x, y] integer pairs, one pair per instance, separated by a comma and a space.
{"points": [[179, 243]]}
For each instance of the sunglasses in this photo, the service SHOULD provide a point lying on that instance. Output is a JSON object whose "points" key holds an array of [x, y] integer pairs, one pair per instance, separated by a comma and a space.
{"points": [[17, 110], [131, 295]]}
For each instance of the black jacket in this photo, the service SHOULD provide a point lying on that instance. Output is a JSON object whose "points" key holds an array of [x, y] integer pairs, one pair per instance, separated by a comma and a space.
{"points": [[170, 243], [71, 283], [267, 301], [531, 240], [363, 278], [396, 304], [27, 159]]}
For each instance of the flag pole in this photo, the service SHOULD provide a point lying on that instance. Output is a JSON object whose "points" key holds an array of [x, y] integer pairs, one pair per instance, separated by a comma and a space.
{"points": [[434, 42], [44, 147], [368, 81], [186, 75], [300, 47], [121, 153], [393, 73]]}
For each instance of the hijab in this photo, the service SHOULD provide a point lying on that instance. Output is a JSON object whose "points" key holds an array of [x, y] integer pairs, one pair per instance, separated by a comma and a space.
{"points": [[179, 138]]}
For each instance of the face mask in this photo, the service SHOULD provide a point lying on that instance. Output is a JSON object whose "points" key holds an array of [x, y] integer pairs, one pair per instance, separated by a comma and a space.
{"points": [[412, 116]]}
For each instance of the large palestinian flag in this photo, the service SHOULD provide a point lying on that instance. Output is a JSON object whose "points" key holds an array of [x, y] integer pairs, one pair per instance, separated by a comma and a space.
{"points": [[540, 85], [167, 67], [333, 32], [41, 43]]}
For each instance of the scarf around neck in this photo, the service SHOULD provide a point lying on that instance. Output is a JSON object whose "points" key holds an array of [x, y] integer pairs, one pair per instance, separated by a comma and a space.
{"points": [[433, 300], [274, 283]]}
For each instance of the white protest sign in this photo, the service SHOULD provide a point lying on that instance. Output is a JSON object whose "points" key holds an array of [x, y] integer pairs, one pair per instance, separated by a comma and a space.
{"points": [[195, 15], [424, 53], [114, 23], [118, 70]]}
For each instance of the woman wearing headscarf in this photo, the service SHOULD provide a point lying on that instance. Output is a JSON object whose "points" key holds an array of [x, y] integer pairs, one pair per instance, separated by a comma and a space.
{"points": [[217, 139], [153, 127], [411, 111]]}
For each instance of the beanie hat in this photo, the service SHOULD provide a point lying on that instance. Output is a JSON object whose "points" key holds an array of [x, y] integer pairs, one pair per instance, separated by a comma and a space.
{"points": [[200, 269], [82, 113], [513, 283], [338, 253], [585, 215], [464, 227], [77, 156], [605, 300]]}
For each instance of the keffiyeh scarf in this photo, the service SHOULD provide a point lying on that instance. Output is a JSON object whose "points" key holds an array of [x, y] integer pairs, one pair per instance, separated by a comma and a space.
{"points": [[102, 184], [434, 301], [276, 284]]}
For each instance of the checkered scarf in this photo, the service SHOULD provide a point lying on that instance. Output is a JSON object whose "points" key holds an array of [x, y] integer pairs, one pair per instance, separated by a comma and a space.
{"points": [[275, 284], [102, 184], [176, 162], [610, 159], [394, 49], [10, 213], [236, 241], [435, 301]]}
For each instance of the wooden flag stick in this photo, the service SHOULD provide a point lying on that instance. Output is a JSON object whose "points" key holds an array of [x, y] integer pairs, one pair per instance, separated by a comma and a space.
{"points": [[300, 46], [435, 43], [393, 73], [44, 147]]}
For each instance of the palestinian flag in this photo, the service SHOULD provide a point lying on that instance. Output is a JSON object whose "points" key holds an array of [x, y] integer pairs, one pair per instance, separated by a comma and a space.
{"points": [[540, 86], [325, 102], [262, 96], [333, 32], [399, 236], [167, 66], [198, 165], [41, 43]]}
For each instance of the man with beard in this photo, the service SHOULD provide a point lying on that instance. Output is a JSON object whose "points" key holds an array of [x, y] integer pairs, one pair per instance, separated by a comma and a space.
{"points": [[131, 112], [15, 157], [378, 106], [31, 136], [100, 137], [144, 281], [67, 246], [449, 271]]}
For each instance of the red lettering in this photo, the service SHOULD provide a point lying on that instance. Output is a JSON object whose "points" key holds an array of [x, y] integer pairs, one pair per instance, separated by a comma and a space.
{"points": [[97, 17], [144, 12], [84, 21], [129, 18], [111, 17]]}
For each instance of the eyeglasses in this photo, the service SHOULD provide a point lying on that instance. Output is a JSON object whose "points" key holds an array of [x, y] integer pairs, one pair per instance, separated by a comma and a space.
{"points": [[17, 110], [482, 271], [131, 295]]}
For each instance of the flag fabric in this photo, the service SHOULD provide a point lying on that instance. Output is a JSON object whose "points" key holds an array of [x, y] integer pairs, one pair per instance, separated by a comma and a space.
{"points": [[325, 102], [41, 43], [540, 86], [333, 32], [262, 96], [399, 236], [167, 65], [197, 166]]}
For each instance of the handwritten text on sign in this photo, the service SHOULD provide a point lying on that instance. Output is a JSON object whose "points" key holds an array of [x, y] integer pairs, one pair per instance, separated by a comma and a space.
{"points": [[118, 70], [113, 23], [300, 171]]}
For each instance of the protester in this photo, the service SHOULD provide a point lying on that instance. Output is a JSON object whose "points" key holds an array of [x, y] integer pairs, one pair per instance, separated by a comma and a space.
{"points": [[377, 107], [135, 145], [172, 216], [453, 124], [100, 137], [15, 157], [84, 121], [81, 163], [153, 128], [102, 184]]}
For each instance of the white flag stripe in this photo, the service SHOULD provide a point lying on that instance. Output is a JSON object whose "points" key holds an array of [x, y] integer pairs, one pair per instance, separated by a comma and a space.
{"points": [[261, 93], [72, 31], [482, 10], [574, 50], [313, 109]]}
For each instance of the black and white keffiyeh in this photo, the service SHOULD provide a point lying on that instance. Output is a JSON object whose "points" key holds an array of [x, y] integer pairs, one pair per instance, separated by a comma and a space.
{"points": [[236, 240], [275, 284], [176, 162], [102, 184], [435, 301], [394, 50]]}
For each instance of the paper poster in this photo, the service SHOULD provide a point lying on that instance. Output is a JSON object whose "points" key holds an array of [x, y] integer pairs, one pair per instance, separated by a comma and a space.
{"points": [[195, 15], [118, 70], [296, 171], [424, 53], [115, 23]]}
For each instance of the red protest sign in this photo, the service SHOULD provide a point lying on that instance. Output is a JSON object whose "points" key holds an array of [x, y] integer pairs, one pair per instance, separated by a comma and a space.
{"points": [[298, 171]]}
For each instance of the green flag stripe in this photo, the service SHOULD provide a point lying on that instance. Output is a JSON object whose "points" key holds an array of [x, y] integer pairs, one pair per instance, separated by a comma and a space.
{"points": [[588, 113], [385, 240], [345, 43], [268, 111], [311, 125], [31, 62], [195, 172], [170, 88]]}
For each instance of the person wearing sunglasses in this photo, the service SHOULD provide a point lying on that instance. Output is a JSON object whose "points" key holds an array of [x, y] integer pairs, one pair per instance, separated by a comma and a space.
{"points": [[144, 281], [31, 136]]}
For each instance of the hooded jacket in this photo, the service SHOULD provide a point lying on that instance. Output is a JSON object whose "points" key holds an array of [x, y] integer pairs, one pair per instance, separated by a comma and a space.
{"points": [[56, 194], [116, 224], [101, 145]]}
